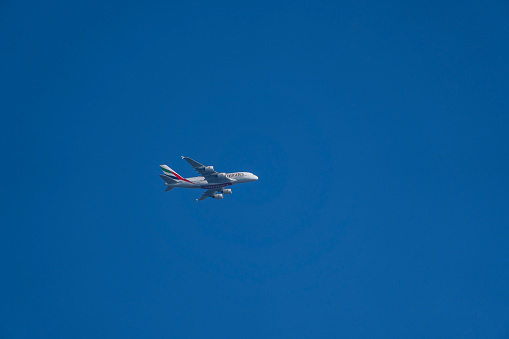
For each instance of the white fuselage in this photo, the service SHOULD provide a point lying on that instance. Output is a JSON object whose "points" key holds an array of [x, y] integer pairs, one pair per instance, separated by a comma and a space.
{"points": [[220, 182]]}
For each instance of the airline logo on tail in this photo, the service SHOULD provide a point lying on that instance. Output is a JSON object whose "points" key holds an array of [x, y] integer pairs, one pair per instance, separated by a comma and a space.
{"points": [[172, 174]]}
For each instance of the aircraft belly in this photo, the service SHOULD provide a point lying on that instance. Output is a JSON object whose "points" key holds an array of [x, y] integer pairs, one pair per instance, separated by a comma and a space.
{"points": [[187, 185], [211, 186]]}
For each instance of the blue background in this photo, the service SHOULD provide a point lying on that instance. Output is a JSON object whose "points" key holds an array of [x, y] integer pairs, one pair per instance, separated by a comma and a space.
{"points": [[379, 133]]}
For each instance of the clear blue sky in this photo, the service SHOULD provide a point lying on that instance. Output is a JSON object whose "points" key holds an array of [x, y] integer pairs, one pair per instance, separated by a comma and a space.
{"points": [[379, 133]]}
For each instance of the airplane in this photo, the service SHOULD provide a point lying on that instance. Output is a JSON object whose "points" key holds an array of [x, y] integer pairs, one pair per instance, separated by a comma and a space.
{"points": [[213, 182]]}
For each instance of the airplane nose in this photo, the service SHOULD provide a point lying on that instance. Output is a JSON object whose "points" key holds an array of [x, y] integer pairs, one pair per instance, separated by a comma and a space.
{"points": [[255, 177]]}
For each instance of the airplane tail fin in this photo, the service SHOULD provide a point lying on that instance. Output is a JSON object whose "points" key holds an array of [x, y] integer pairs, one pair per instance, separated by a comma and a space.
{"points": [[170, 173]]}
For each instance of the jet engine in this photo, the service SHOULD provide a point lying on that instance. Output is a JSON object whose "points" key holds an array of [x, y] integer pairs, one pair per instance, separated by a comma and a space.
{"points": [[209, 168], [221, 175], [227, 191], [217, 196]]}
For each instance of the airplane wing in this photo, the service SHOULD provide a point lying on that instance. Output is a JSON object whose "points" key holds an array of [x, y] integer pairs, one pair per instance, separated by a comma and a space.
{"points": [[207, 171], [207, 194]]}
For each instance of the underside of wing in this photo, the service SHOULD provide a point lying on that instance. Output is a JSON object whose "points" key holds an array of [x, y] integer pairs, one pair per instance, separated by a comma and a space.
{"points": [[207, 172], [207, 194], [201, 169]]}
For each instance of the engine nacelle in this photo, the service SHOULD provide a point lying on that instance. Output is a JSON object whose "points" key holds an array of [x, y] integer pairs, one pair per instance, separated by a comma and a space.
{"points": [[209, 169], [217, 196], [227, 191], [221, 175]]}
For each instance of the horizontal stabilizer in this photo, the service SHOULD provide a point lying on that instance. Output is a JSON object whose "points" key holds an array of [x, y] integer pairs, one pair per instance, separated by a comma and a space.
{"points": [[168, 179], [168, 188]]}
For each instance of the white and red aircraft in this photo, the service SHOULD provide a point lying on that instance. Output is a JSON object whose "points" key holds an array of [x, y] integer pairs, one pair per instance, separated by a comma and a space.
{"points": [[215, 183]]}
